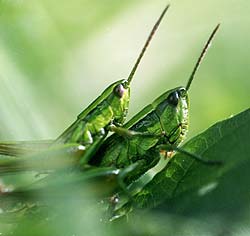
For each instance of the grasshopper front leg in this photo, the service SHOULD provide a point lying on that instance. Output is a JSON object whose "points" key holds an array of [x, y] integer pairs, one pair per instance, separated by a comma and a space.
{"points": [[127, 133]]}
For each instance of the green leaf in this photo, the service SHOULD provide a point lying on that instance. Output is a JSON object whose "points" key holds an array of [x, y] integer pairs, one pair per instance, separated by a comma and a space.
{"points": [[190, 198], [227, 141]]}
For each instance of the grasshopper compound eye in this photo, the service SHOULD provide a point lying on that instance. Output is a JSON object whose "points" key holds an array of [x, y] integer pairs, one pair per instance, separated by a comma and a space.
{"points": [[173, 98], [182, 92], [119, 90]]}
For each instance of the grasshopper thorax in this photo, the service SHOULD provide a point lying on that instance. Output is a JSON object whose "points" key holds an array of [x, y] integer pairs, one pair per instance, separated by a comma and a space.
{"points": [[172, 111]]}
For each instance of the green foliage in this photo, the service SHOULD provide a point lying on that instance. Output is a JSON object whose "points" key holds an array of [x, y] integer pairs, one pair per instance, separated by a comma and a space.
{"points": [[57, 57], [184, 176], [185, 190], [189, 197]]}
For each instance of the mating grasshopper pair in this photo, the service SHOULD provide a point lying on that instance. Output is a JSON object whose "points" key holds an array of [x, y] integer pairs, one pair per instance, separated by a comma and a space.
{"points": [[133, 149]]}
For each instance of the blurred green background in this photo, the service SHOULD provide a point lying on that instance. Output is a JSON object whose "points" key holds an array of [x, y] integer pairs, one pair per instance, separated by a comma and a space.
{"points": [[58, 56]]}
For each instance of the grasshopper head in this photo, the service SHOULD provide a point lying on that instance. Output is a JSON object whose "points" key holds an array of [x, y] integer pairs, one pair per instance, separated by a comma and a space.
{"points": [[119, 101], [172, 110]]}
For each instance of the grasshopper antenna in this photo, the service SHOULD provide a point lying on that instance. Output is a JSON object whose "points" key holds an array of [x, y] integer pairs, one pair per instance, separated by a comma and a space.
{"points": [[131, 75], [203, 53]]}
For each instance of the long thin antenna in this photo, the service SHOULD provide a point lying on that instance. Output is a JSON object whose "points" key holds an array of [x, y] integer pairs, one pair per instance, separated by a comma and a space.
{"points": [[203, 53], [131, 75]]}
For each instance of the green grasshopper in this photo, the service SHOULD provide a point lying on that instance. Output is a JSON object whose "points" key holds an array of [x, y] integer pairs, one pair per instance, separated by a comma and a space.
{"points": [[160, 126], [106, 113], [138, 146], [158, 129]]}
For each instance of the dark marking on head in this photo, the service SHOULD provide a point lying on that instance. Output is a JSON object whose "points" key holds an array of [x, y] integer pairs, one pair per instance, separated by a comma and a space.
{"points": [[173, 98], [119, 90], [182, 92]]}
